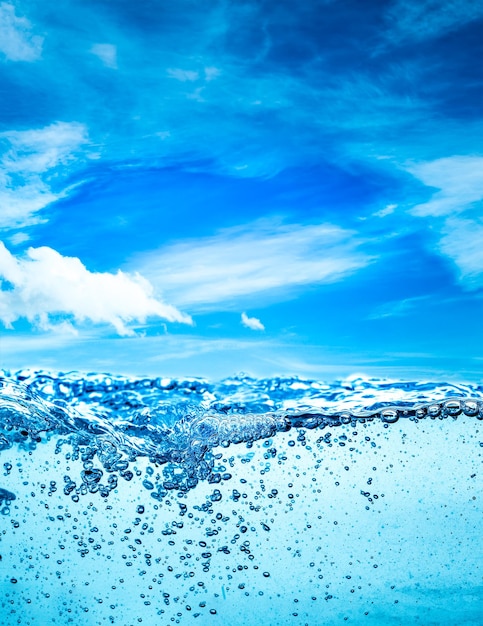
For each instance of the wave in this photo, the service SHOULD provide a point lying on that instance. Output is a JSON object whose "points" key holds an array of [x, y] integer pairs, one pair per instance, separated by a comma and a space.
{"points": [[177, 423]]}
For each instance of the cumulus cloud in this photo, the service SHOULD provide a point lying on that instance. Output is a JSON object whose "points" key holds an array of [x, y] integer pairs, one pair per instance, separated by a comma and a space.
{"points": [[262, 257], [458, 179], [251, 322], [47, 288], [16, 39], [107, 53], [28, 160]]}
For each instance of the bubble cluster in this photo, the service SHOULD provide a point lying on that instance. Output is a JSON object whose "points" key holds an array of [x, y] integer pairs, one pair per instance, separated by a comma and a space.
{"points": [[178, 423]]}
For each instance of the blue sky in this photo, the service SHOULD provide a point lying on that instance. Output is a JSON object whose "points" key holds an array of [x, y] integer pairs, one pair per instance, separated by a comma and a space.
{"points": [[268, 187]]}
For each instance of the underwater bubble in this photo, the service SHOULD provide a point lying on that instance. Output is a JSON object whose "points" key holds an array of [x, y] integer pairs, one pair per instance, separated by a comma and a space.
{"points": [[470, 408], [453, 407]]}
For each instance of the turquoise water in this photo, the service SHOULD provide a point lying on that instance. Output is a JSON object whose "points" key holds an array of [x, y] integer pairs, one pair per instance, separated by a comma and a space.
{"points": [[278, 501]]}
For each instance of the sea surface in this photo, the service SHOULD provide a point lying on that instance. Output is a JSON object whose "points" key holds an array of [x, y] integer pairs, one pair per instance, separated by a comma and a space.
{"points": [[243, 502]]}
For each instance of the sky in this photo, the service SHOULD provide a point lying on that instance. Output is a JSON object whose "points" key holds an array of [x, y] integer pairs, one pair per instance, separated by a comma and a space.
{"points": [[255, 186]]}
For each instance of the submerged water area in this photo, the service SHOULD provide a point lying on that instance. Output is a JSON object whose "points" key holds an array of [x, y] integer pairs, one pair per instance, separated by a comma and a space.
{"points": [[278, 501]]}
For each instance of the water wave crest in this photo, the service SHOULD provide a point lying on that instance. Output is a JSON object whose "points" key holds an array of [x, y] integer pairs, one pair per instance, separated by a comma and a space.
{"points": [[112, 420]]}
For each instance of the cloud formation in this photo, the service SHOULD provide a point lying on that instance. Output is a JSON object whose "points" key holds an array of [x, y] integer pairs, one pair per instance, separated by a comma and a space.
{"points": [[252, 90], [17, 42], [458, 179], [454, 212], [183, 75], [251, 322], [426, 19], [287, 91], [47, 288], [107, 53], [259, 258], [462, 242], [30, 158]]}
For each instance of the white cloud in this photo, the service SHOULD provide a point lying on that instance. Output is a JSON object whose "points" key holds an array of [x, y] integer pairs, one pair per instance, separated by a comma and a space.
{"points": [[16, 39], [45, 285], [387, 210], [107, 53], [38, 150], [251, 322], [28, 159], [462, 242], [454, 212], [261, 257], [459, 180], [19, 238], [19, 207]]}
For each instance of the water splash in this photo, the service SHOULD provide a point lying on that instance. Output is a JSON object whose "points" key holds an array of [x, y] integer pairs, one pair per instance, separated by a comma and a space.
{"points": [[178, 422]]}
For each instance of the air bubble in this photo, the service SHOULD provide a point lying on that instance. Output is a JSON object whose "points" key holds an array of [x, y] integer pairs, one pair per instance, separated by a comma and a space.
{"points": [[390, 416]]}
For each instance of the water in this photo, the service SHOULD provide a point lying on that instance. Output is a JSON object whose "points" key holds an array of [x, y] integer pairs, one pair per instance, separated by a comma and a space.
{"points": [[278, 501]]}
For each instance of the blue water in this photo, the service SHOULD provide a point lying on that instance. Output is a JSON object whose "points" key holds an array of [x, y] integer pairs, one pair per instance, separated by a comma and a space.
{"points": [[277, 501]]}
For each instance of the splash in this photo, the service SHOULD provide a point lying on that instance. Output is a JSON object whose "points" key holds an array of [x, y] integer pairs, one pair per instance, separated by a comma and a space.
{"points": [[178, 422]]}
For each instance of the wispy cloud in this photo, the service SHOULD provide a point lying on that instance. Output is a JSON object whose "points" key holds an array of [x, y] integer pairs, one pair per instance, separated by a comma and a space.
{"points": [[253, 323], [458, 179], [183, 75], [454, 212], [38, 150], [29, 159], [462, 242], [426, 19], [44, 285], [259, 258], [262, 108], [17, 42], [107, 53], [19, 238], [399, 308], [387, 210], [212, 72]]}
